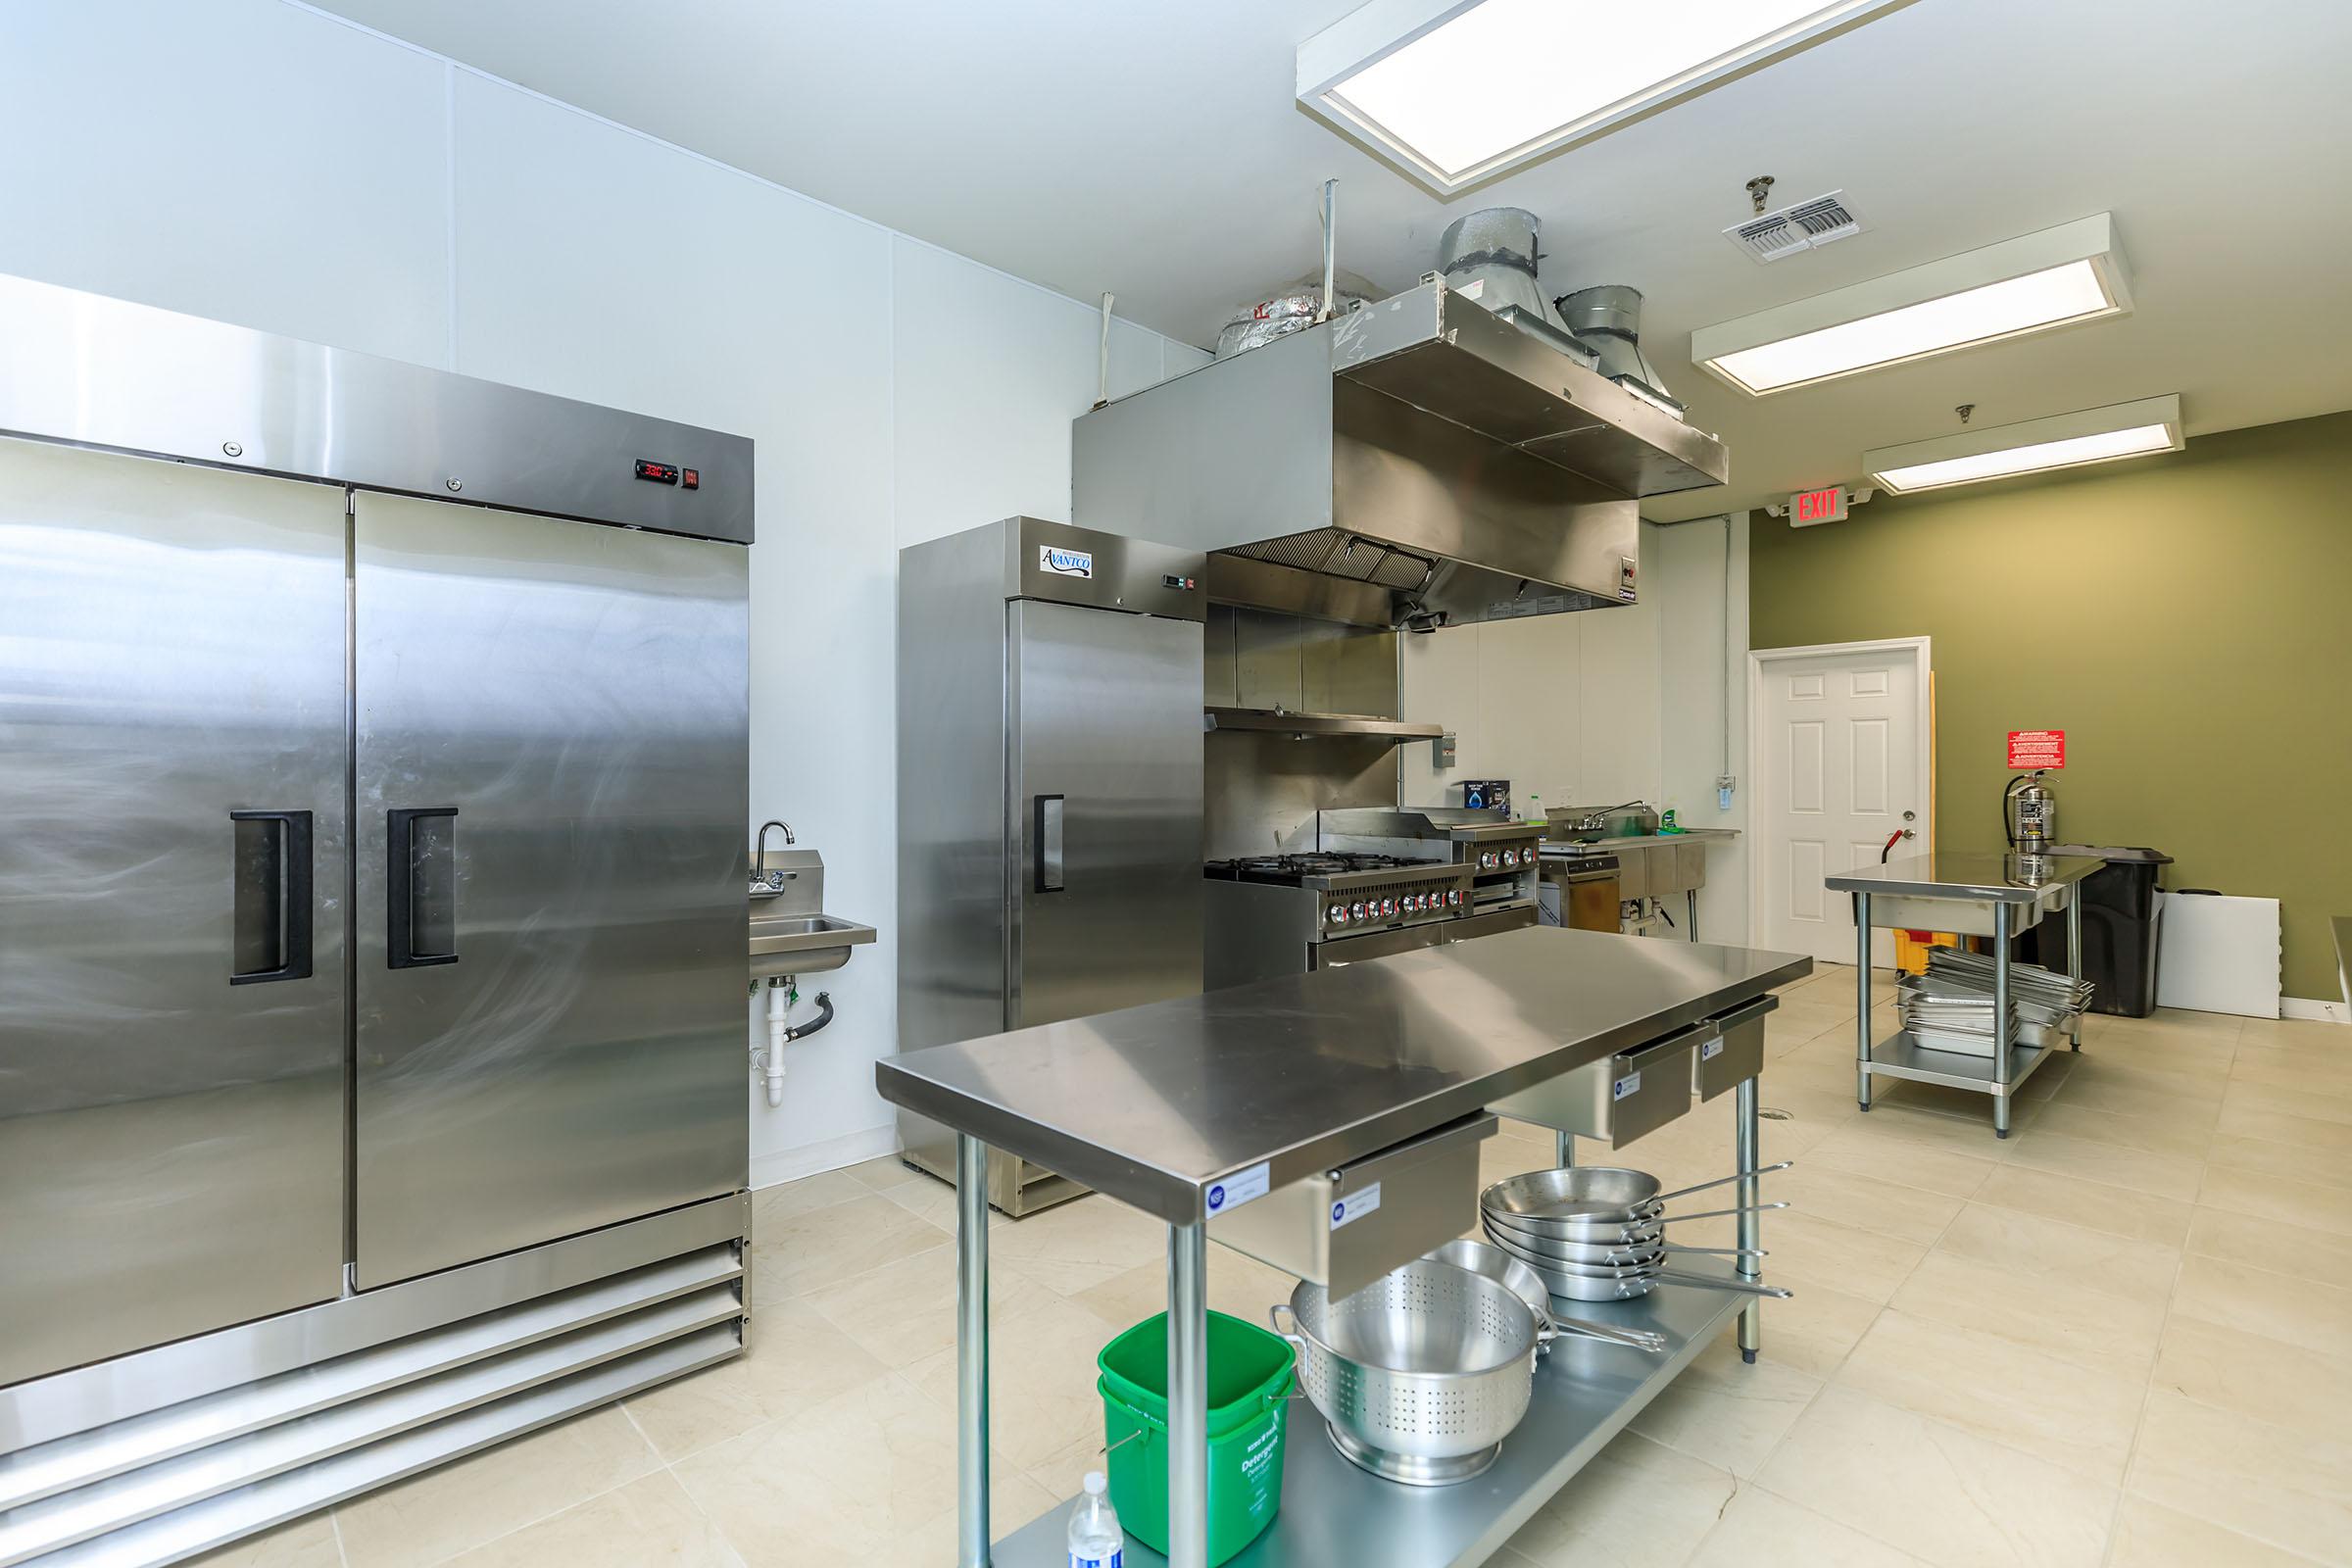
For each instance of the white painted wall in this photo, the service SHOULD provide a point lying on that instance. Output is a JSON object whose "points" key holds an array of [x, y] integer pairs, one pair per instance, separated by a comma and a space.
{"points": [[256, 162], [1606, 706]]}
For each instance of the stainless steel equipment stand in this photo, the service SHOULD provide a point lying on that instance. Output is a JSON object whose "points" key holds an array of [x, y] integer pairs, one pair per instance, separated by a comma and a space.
{"points": [[1970, 885], [1145, 1150]]}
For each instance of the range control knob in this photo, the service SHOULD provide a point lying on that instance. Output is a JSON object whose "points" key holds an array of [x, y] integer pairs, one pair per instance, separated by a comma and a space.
{"points": [[1355, 912], [1388, 907], [1454, 897], [1338, 914]]}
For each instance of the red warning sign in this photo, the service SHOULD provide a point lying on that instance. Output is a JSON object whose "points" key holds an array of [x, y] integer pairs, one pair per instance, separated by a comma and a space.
{"points": [[2037, 748]]}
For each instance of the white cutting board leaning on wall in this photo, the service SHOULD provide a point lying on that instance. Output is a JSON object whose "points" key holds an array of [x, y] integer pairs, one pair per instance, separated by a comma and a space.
{"points": [[2218, 955]]}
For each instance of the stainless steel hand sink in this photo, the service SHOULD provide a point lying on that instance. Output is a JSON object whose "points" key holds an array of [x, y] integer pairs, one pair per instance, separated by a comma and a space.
{"points": [[789, 934], [802, 944]]}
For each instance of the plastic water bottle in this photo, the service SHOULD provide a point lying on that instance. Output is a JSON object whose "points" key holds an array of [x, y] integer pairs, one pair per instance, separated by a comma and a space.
{"points": [[1096, 1540]]}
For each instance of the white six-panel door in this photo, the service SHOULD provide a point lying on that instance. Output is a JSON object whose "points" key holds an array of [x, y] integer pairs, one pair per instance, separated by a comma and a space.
{"points": [[1838, 768]]}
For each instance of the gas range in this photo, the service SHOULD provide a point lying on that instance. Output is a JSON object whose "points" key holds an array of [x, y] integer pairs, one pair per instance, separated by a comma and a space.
{"points": [[1320, 869], [1279, 913]]}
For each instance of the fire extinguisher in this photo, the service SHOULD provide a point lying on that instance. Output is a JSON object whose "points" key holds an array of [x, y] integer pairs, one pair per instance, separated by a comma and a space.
{"points": [[2029, 813]]}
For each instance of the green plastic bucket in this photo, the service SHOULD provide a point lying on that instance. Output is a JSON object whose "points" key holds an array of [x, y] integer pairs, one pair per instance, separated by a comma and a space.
{"points": [[1249, 1418]]}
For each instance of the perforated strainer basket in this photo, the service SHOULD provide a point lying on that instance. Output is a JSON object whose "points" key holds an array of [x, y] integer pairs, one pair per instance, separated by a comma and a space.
{"points": [[1420, 1375]]}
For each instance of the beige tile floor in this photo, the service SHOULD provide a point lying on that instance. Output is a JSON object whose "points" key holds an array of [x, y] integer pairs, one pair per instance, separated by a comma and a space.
{"points": [[2123, 1336]]}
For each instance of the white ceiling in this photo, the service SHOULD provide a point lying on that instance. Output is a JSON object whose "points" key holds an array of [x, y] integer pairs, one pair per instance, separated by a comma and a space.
{"points": [[1153, 148]]}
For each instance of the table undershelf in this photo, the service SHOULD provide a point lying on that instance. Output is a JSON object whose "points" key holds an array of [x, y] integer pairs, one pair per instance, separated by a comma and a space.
{"points": [[1898, 1055], [1337, 1516]]}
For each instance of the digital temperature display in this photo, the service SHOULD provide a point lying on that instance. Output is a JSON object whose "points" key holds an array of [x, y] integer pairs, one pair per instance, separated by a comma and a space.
{"points": [[657, 472]]}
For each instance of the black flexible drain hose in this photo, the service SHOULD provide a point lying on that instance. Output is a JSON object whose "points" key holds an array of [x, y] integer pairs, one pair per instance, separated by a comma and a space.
{"points": [[825, 1016]]}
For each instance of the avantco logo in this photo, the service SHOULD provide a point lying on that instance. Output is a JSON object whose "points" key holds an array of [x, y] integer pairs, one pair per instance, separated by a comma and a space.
{"points": [[1067, 562]]}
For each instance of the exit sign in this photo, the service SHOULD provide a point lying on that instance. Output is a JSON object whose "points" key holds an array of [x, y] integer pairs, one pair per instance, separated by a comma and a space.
{"points": [[1809, 507]]}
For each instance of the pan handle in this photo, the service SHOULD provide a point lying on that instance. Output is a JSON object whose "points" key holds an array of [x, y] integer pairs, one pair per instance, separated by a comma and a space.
{"points": [[1718, 1214], [1632, 1339], [1722, 1181], [1717, 1252], [1709, 1282]]}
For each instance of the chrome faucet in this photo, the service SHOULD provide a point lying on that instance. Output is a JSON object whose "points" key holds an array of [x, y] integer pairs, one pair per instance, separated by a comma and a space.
{"points": [[762, 879]]}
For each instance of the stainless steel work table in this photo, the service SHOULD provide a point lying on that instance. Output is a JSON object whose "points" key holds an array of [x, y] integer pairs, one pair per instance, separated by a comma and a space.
{"points": [[1156, 1106], [2016, 890]]}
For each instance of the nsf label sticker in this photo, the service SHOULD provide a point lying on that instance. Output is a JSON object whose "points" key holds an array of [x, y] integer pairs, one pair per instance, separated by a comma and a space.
{"points": [[1356, 1205], [1630, 1084], [1237, 1189], [1067, 562], [1711, 1050]]}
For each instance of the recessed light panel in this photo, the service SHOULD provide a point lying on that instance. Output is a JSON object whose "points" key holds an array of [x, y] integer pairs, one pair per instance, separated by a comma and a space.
{"points": [[2057, 278], [2034, 446], [1460, 93]]}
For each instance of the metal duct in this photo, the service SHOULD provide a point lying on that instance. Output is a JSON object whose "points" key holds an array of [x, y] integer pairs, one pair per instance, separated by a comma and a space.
{"points": [[1608, 320], [1493, 255]]}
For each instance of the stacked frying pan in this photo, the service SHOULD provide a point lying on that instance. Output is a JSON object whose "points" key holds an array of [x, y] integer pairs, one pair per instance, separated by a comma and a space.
{"points": [[1598, 1233]]}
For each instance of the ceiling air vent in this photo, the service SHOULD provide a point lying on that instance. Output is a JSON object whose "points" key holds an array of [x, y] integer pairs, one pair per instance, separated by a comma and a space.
{"points": [[1801, 227]]}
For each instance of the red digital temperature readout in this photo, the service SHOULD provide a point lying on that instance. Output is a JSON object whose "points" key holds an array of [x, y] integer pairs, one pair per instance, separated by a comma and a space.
{"points": [[657, 472]]}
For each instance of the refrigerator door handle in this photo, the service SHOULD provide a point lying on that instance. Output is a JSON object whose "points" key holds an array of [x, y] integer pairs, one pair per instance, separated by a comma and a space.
{"points": [[272, 897], [421, 881], [1045, 841]]}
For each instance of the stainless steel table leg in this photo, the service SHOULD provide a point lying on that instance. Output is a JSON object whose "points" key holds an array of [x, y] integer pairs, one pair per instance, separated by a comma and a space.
{"points": [[2074, 950], [971, 1352], [1563, 1150], [1862, 993], [1188, 1396], [1748, 1139], [2000, 1020]]}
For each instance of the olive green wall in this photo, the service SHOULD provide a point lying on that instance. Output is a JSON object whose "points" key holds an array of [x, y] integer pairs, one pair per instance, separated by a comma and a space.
{"points": [[2185, 620]]}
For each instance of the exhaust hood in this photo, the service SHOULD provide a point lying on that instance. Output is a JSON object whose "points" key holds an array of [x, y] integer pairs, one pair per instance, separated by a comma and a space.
{"points": [[1417, 463]]}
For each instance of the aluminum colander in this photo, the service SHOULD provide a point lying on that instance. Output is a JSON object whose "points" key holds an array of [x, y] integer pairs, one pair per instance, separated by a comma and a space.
{"points": [[1420, 1375]]}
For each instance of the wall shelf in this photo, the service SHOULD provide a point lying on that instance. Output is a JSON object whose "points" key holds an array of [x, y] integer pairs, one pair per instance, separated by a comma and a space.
{"points": [[1361, 726]]}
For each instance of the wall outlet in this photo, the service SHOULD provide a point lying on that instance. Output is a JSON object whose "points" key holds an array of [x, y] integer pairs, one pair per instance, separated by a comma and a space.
{"points": [[1725, 784], [1442, 751]]}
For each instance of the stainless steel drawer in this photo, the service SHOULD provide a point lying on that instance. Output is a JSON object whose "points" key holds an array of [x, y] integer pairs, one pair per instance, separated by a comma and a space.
{"points": [[1346, 1228], [1618, 1098], [1736, 1053]]}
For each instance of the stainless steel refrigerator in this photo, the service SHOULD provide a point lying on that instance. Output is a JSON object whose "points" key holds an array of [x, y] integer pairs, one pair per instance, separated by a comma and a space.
{"points": [[1050, 787], [371, 869]]}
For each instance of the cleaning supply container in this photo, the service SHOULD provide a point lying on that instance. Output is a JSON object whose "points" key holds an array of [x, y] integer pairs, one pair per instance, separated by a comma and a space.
{"points": [[1249, 1381]]}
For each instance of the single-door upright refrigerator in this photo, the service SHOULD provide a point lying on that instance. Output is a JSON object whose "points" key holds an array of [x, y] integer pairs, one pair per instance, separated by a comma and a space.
{"points": [[1050, 794]]}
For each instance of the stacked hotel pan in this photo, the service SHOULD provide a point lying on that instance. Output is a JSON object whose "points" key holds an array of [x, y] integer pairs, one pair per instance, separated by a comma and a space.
{"points": [[1598, 1233], [1950, 1006]]}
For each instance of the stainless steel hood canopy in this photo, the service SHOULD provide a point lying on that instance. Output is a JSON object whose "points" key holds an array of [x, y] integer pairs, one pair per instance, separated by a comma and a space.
{"points": [[1440, 464]]}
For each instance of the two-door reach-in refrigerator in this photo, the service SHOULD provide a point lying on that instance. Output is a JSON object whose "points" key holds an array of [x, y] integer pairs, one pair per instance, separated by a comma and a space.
{"points": [[372, 919]]}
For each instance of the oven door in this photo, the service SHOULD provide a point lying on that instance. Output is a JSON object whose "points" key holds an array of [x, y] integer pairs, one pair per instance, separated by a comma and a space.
{"points": [[1345, 951]]}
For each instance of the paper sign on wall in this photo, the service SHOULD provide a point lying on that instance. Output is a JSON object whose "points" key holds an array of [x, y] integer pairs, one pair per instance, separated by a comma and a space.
{"points": [[2037, 748]]}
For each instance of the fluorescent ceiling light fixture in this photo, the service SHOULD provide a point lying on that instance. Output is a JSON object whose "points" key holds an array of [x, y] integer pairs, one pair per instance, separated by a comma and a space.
{"points": [[2034, 446], [2060, 276], [1458, 91]]}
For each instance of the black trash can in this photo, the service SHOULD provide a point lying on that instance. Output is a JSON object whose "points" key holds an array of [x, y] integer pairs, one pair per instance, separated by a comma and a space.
{"points": [[2121, 910]]}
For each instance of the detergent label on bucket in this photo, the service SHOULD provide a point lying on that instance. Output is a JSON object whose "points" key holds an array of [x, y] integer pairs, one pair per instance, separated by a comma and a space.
{"points": [[1237, 1189], [1356, 1205]]}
